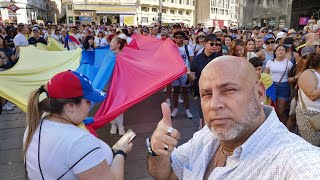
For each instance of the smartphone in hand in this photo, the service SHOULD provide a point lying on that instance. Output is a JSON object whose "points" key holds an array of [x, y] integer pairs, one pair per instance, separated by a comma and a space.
{"points": [[129, 134]]}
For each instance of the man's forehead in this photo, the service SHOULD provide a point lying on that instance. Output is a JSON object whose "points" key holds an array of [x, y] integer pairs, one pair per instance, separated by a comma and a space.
{"points": [[223, 69]]}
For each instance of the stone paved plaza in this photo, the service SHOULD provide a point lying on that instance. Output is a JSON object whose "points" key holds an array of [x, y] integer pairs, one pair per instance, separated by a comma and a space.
{"points": [[141, 118]]}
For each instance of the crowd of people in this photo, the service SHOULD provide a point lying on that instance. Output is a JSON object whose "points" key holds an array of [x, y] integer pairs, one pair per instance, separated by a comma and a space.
{"points": [[274, 67]]}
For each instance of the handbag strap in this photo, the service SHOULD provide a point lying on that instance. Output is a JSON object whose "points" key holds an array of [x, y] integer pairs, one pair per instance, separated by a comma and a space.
{"points": [[283, 73], [304, 108]]}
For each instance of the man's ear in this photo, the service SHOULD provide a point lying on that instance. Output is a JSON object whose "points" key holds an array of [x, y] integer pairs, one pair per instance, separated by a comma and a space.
{"points": [[261, 92]]}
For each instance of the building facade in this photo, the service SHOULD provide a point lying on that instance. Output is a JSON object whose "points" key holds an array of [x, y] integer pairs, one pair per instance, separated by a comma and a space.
{"points": [[173, 11], [302, 10], [213, 13], [265, 13], [129, 12], [31, 11]]}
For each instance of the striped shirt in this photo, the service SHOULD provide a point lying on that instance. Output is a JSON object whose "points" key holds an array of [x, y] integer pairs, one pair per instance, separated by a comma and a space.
{"points": [[271, 152]]}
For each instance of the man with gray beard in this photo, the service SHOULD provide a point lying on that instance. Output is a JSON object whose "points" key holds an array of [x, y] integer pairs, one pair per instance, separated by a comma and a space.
{"points": [[242, 139]]}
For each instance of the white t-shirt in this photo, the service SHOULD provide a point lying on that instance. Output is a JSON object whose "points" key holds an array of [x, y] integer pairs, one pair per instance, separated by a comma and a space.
{"points": [[20, 40], [184, 55], [61, 146], [277, 68], [56, 37], [100, 41]]}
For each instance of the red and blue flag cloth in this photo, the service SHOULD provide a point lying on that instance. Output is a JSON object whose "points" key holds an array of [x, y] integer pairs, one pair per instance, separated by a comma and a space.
{"points": [[70, 38], [143, 67]]}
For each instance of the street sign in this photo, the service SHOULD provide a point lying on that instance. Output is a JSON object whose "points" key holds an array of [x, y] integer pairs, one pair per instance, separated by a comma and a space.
{"points": [[13, 8]]}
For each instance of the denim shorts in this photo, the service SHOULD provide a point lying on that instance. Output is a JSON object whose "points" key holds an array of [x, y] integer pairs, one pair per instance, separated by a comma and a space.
{"points": [[181, 81], [283, 90]]}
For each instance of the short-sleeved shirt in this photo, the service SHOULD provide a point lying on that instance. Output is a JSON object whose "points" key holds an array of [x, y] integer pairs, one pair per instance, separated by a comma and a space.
{"points": [[200, 61], [61, 146], [33, 40], [9, 41], [277, 68], [271, 152], [20, 40], [8, 53], [183, 53]]}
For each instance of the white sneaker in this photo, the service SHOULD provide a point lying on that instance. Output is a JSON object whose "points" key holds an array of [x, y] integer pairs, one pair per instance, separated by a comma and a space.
{"points": [[121, 130], [174, 112], [10, 104], [168, 102], [113, 129], [6, 107], [180, 101], [188, 113]]}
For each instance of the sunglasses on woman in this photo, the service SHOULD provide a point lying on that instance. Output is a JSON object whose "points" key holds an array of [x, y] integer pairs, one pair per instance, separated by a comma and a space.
{"points": [[215, 44], [270, 42]]}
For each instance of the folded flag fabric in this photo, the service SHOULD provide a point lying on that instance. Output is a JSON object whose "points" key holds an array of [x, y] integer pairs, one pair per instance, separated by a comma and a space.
{"points": [[34, 68], [142, 68]]}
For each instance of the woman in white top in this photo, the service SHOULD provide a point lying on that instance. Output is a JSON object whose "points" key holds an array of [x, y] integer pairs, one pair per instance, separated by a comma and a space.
{"points": [[55, 147], [309, 93], [116, 45], [199, 42], [100, 40], [250, 47], [279, 69]]}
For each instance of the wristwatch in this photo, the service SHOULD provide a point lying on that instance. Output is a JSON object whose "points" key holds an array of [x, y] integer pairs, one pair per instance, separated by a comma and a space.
{"points": [[148, 144], [120, 152]]}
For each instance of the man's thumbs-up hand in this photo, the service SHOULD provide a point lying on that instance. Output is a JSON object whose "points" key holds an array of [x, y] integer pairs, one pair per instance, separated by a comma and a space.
{"points": [[164, 138]]}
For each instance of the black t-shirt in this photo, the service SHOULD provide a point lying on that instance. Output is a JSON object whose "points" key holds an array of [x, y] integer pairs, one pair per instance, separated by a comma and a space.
{"points": [[33, 40], [9, 41], [5, 54], [200, 61]]}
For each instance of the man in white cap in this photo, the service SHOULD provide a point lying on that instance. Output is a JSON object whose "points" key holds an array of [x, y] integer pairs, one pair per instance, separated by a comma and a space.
{"points": [[292, 33], [218, 32], [280, 37]]}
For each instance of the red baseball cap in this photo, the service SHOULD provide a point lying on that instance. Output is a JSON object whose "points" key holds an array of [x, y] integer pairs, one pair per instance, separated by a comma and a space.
{"points": [[71, 84]]}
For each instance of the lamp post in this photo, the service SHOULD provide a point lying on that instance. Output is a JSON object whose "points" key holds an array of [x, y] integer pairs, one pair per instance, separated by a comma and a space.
{"points": [[160, 11]]}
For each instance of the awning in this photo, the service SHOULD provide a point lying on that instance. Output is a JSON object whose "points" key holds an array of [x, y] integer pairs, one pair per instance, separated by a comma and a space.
{"points": [[115, 12]]}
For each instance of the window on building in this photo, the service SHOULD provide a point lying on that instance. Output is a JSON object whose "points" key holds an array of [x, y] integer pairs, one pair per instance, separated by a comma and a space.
{"points": [[180, 1], [164, 11], [188, 13], [172, 1], [144, 20], [145, 9], [69, 7], [171, 11], [188, 2], [154, 10], [221, 12], [226, 12], [216, 10], [180, 12]]}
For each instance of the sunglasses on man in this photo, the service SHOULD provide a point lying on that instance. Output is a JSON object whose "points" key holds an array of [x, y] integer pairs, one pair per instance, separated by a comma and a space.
{"points": [[270, 42], [317, 46], [215, 44]]}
